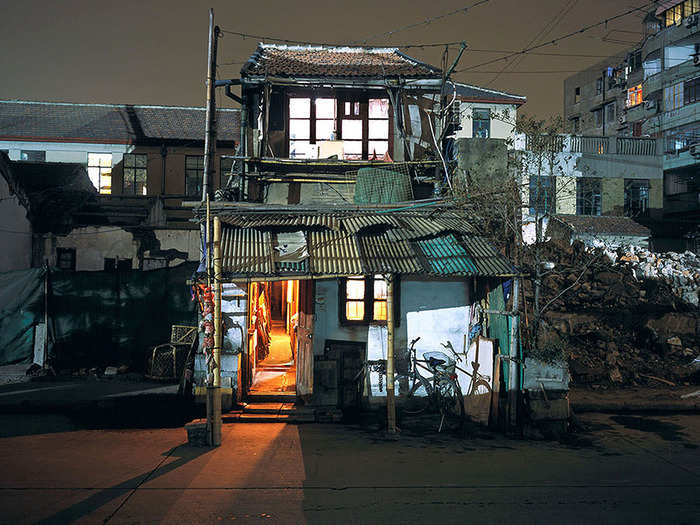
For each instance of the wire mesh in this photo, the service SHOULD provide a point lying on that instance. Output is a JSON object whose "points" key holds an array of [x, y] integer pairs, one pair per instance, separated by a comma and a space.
{"points": [[383, 185]]}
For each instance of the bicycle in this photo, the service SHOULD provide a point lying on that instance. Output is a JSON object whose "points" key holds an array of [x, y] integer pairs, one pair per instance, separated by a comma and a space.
{"points": [[443, 393]]}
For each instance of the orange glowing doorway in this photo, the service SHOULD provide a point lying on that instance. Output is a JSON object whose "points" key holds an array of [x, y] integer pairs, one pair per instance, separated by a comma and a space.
{"points": [[279, 350]]}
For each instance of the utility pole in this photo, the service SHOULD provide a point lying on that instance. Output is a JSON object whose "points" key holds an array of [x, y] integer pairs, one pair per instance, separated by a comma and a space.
{"points": [[390, 397], [213, 390]]}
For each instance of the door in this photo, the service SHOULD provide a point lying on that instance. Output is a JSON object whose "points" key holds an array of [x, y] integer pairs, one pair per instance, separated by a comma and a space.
{"points": [[305, 351]]}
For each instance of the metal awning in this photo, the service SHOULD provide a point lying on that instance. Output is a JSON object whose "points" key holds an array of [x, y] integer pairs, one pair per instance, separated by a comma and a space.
{"points": [[437, 243]]}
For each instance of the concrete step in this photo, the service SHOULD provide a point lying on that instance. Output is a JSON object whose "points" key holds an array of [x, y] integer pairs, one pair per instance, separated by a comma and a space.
{"points": [[262, 408]]}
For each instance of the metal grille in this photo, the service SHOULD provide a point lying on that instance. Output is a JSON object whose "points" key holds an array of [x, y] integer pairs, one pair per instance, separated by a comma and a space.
{"points": [[383, 185]]}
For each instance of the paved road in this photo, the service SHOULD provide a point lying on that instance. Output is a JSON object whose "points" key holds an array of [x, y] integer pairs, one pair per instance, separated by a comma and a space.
{"points": [[627, 469]]}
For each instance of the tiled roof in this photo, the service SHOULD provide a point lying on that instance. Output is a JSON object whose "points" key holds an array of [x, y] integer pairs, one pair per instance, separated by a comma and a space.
{"points": [[104, 123], [338, 62], [604, 225], [361, 241], [471, 93]]}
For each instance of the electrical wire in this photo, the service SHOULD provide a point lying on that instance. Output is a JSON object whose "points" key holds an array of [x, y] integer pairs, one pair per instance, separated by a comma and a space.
{"points": [[558, 39]]}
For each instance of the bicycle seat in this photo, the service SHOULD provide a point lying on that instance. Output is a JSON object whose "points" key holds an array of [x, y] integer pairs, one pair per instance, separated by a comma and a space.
{"points": [[438, 360]]}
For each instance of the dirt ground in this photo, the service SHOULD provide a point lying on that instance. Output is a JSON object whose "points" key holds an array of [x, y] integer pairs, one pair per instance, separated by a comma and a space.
{"points": [[622, 469]]}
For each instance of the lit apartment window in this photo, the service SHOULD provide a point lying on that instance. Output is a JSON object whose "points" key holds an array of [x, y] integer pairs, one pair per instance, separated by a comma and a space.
{"points": [[673, 96], [100, 171], [577, 94], [674, 15], [365, 299], [691, 91], [194, 172], [33, 155], [135, 173], [588, 200], [636, 197], [634, 96], [481, 119], [691, 7]]}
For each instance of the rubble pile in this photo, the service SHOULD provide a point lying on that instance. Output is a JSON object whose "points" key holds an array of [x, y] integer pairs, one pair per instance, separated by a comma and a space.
{"points": [[615, 325], [680, 270]]}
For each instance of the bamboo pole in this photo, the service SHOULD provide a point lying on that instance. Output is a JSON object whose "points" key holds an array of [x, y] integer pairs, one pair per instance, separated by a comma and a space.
{"points": [[218, 338], [390, 398]]}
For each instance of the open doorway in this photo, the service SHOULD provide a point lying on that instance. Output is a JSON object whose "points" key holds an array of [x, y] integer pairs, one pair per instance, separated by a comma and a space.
{"points": [[273, 330]]}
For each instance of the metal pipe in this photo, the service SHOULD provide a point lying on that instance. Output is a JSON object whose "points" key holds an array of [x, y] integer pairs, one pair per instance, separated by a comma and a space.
{"points": [[210, 132], [390, 397], [215, 412]]}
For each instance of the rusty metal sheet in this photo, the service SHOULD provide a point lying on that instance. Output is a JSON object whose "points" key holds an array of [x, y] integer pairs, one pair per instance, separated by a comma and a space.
{"points": [[246, 251], [282, 220], [334, 253]]}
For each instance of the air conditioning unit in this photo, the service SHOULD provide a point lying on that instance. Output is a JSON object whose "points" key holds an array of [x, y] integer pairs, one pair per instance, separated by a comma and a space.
{"points": [[694, 150], [696, 55], [622, 119], [650, 105], [690, 21]]}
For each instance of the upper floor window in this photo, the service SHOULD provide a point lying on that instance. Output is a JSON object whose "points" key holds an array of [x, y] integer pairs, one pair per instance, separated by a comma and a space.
{"points": [[194, 172], [100, 171], [610, 112], [588, 196], [691, 90], [577, 94], [636, 197], [634, 96], [599, 86], [481, 123], [33, 155], [361, 123], [135, 173], [673, 96], [598, 116], [542, 195], [675, 14]]}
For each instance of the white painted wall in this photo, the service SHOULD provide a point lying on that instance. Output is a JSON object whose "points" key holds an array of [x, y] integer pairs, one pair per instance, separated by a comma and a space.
{"points": [[15, 232], [501, 128]]}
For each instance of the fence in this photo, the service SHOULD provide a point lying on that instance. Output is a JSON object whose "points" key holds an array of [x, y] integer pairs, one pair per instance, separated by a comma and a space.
{"points": [[581, 144], [635, 146]]}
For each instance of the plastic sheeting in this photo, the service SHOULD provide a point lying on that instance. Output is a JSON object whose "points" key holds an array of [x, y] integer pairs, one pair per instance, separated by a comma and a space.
{"points": [[21, 307]]}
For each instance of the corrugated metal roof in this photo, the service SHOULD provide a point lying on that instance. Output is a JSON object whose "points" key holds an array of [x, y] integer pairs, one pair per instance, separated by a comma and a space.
{"points": [[246, 251], [487, 260], [446, 256], [382, 254], [282, 220], [357, 223], [334, 253]]}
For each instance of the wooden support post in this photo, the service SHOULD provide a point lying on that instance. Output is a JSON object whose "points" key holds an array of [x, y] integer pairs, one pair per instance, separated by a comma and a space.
{"points": [[218, 338], [390, 398]]}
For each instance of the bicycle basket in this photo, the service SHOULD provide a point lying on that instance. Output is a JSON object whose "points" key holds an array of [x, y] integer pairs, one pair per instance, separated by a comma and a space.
{"points": [[440, 362]]}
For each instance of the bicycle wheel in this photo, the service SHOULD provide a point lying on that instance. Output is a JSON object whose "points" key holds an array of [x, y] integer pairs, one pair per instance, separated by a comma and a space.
{"points": [[416, 400], [452, 407]]}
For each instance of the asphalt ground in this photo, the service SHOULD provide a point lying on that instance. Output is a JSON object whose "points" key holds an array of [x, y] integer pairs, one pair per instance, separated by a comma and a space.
{"points": [[622, 468]]}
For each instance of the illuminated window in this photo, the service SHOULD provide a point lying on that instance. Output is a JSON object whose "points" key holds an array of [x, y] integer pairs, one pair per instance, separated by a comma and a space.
{"points": [[100, 171], [363, 125], [364, 299], [355, 299], [135, 173], [634, 96]]}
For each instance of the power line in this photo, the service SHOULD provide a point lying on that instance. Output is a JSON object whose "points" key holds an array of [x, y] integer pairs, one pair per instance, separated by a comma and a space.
{"points": [[427, 21], [556, 40]]}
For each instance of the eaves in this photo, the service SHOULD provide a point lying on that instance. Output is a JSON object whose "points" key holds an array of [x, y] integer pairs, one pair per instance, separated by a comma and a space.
{"points": [[405, 83]]}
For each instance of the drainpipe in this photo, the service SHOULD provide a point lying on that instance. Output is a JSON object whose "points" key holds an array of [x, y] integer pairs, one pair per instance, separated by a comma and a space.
{"points": [[163, 155], [390, 398]]}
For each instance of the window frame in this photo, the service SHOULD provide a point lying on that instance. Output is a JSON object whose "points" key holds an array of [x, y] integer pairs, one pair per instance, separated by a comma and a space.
{"points": [[635, 96], [31, 152], [102, 171], [136, 168], [608, 107], [481, 120], [369, 301], [549, 186], [60, 252], [577, 94], [691, 91], [200, 174], [341, 97], [674, 96], [639, 206], [589, 200]]}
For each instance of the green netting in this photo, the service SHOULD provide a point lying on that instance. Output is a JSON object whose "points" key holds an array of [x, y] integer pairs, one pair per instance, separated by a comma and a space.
{"points": [[381, 186], [107, 318], [21, 308]]}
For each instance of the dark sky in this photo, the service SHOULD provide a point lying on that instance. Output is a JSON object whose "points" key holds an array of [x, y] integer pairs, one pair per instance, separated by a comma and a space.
{"points": [[154, 52]]}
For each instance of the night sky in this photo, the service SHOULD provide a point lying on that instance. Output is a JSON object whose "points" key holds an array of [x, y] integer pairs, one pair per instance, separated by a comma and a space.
{"points": [[154, 52]]}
